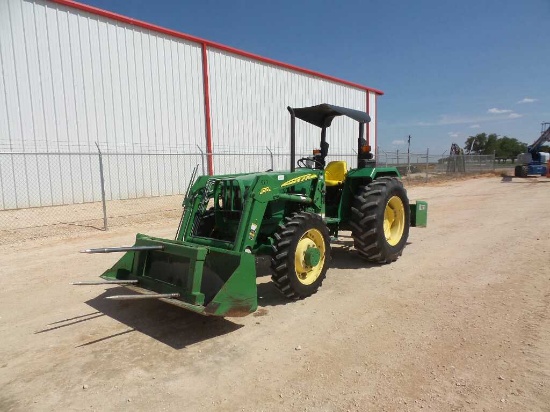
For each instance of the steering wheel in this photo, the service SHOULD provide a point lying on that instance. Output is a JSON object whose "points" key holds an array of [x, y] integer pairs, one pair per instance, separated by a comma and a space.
{"points": [[302, 162]]}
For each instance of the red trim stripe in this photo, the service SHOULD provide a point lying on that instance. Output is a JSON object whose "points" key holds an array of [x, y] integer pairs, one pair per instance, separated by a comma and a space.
{"points": [[375, 119], [148, 26], [207, 117], [368, 112]]}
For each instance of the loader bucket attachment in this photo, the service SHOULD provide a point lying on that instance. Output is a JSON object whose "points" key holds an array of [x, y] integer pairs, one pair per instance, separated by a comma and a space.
{"points": [[203, 279]]}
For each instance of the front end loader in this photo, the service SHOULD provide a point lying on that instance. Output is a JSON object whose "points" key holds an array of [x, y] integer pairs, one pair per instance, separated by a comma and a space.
{"points": [[290, 216]]}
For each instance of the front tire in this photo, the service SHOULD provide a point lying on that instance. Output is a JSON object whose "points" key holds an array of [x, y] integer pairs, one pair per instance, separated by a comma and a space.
{"points": [[300, 257], [380, 220]]}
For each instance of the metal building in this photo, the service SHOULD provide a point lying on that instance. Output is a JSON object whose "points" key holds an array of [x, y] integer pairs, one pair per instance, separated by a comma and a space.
{"points": [[73, 75]]}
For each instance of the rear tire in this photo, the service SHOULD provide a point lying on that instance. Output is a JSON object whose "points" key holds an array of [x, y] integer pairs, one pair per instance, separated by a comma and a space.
{"points": [[298, 271], [380, 220], [521, 171]]}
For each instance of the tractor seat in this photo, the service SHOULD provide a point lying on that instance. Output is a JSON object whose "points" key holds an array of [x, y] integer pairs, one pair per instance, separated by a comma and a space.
{"points": [[335, 173]]}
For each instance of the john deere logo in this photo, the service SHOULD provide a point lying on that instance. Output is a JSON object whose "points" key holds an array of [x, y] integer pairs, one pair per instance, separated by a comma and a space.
{"points": [[265, 190], [299, 179]]}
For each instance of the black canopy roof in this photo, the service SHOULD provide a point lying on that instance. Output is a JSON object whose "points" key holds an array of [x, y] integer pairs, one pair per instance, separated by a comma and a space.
{"points": [[322, 114]]}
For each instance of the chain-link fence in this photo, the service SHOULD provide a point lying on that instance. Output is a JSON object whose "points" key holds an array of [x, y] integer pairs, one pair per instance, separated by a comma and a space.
{"points": [[104, 188], [426, 166], [69, 191]]}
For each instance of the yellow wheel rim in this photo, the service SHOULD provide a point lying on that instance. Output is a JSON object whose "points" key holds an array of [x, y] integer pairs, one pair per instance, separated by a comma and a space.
{"points": [[305, 273], [394, 220]]}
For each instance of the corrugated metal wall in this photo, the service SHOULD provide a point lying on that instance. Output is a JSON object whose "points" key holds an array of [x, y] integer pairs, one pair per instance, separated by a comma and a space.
{"points": [[70, 78], [78, 78], [248, 105]]}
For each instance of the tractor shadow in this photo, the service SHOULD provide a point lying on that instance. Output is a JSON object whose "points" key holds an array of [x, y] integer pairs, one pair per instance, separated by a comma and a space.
{"points": [[268, 294], [344, 256], [171, 325]]}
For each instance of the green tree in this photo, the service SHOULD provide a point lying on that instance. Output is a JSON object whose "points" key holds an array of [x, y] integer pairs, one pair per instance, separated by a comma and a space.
{"points": [[491, 145], [510, 147], [487, 144], [476, 144]]}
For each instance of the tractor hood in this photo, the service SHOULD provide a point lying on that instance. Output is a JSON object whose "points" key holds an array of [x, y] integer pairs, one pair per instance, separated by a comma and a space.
{"points": [[246, 179]]}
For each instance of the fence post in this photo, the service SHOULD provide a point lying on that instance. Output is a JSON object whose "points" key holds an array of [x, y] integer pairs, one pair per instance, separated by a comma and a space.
{"points": [[102, 178], [202, 159], [427, 162], [271, 157], [397, 156]]}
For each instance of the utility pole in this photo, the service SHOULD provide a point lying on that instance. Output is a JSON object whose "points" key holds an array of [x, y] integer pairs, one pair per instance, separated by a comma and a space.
{"points": [[409, 156]]}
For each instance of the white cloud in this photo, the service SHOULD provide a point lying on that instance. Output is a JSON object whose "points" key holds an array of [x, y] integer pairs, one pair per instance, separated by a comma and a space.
{"points": [[453, 134], [398, 142], [494, 110], [445, 120], [475, 121], [527, 100]]}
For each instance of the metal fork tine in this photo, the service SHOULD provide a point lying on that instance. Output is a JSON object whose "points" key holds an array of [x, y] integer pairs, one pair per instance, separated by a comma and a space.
{"points": [[138, 297], [123, 249], [105, 282]]}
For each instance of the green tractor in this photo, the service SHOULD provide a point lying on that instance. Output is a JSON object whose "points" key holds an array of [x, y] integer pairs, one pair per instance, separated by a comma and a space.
{"points": [[290, 216]]}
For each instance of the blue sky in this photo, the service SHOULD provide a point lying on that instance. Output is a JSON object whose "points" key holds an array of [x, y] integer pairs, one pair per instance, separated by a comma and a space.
{"points": [[449, 69]]}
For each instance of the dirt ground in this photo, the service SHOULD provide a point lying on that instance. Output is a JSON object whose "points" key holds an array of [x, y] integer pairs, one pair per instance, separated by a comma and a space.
{"points": [[461, 322]]}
